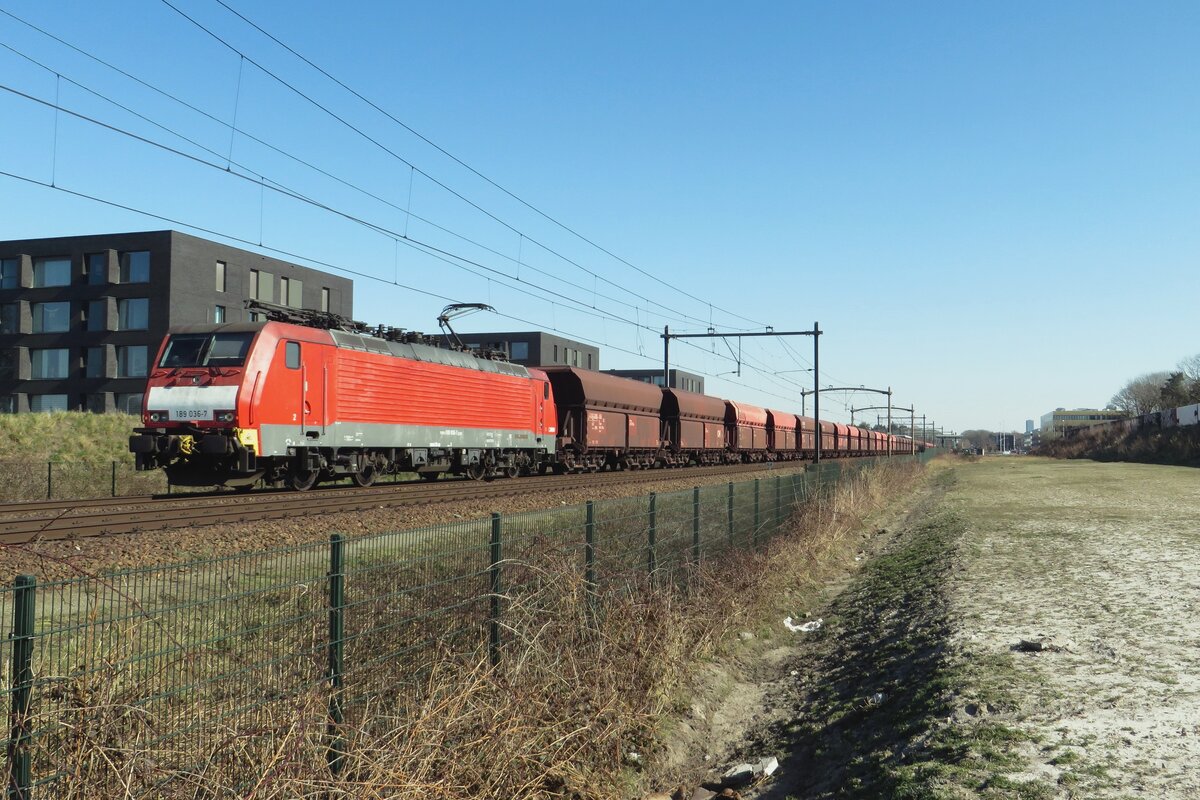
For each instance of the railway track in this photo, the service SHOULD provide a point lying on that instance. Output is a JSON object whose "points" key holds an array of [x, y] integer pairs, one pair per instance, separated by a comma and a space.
{"points": [[21, 523]]}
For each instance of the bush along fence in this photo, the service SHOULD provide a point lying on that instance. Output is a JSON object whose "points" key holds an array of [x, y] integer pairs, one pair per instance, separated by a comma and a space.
{"points": [[25, 481], [160, 675]]}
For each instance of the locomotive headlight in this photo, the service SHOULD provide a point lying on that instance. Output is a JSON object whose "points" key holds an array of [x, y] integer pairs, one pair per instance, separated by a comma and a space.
{"points": [[224, 416], [157, 416]]}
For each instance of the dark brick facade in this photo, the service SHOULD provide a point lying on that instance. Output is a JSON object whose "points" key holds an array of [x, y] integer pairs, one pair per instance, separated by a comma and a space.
{"points": [[537, 349], [82, 345], [687, 381]]}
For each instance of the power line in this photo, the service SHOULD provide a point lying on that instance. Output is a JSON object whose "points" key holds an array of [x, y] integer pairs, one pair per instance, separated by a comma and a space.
{"points": [[467, 166], [367, 137], [174, 98], [449, 257], [335, 267]]}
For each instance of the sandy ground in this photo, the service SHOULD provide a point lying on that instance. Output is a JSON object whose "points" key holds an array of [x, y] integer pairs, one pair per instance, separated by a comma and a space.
{"points": [[1097, 563], [1100, 560]]}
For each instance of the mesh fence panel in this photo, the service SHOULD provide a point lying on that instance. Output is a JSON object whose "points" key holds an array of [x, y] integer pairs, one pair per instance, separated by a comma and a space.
{"points": [[198, 658], [211, 663]]}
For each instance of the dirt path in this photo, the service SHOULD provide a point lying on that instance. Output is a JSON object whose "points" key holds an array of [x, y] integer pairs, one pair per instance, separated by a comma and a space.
{"points": [[1031, 632]]}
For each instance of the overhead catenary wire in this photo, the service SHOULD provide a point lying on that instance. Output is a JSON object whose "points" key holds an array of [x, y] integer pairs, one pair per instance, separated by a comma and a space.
{"points": [[343, 269], [682, 318], [384, 148], [647, 301], [470, 168], [534, 291], [427, 248]]}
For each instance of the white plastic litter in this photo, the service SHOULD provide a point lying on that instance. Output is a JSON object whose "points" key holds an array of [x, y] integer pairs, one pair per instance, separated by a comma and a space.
{"points": [[807, 627]]}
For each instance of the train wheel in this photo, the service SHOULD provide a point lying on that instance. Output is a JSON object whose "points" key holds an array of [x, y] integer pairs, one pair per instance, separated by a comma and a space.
{"points": [[476, 472], [303, 481], [512, 472], [366, 476]]}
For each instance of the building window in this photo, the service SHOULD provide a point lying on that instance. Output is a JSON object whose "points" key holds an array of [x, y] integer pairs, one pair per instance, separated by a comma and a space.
{"points": [[261, 286], [131, 361], [51, 317], [51, 272], [130, 402], [520, 351], [555, 359], [48, 363], [8, 404], [10, 273], [219, 314], [94, 363], [220, 276], [324, 298], [135, 266], [96, 267], [291, 292], [133, 314], [10, 318], [8, 364], [589, 360], [97, 315], [47, 402]]}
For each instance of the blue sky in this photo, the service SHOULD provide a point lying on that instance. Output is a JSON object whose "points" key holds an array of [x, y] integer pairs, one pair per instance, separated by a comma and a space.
{"points": [[993, 209]]}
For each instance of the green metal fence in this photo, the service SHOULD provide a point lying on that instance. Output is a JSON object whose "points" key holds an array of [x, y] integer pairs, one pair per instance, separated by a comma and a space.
{"points": [[214, 662]]}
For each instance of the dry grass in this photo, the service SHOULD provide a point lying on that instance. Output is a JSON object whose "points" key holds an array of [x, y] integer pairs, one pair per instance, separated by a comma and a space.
{"points": [[1179, 446], [575, 691], [83, 448]]}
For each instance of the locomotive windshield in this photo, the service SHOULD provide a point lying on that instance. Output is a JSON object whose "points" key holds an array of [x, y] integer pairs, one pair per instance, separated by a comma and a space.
{"points": [[206, 350]]}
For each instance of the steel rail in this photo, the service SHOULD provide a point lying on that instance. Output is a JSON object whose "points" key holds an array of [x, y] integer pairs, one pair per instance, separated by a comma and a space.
{"points": [[23, 523]]}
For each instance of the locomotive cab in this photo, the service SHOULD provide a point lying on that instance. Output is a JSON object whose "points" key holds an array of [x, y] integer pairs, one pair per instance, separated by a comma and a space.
{"points": [[191, 419]]}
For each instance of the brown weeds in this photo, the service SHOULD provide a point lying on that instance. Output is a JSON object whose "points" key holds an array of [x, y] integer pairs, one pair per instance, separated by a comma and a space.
{"points": [[587, 675]]}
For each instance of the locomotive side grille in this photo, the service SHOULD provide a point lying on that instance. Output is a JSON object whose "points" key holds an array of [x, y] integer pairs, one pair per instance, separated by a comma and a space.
{"points": [[383, 389]]}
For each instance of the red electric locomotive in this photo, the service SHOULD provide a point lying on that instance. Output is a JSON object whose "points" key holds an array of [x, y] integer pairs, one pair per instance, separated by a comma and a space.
{"points": [[293, 404]]}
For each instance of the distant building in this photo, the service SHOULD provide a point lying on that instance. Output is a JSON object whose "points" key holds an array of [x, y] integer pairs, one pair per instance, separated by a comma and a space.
{"points": [[1029, 426], [678, 378], [1061, 419], [82, 316], [536, 349]]}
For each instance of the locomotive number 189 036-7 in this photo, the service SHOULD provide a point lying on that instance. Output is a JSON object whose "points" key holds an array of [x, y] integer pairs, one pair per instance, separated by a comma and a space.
{"points": [[191, 413]]}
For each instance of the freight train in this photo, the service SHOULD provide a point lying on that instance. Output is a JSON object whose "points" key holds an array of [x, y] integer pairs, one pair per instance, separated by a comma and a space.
{"points": [[305, 397]]}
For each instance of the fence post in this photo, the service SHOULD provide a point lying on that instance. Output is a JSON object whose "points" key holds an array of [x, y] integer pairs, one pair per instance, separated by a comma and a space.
{"points": [[652, 537], [696, 525], [114, 479], [754, 534], [19, 779], [494, 611], [730, 512], [589, 557], [49, 480], [336, 755]]}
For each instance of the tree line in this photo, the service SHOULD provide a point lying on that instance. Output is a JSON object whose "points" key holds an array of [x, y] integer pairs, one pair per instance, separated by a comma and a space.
{"points": [[1156, 391]]}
